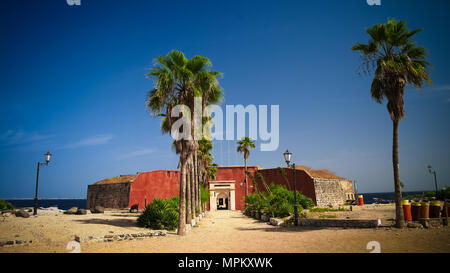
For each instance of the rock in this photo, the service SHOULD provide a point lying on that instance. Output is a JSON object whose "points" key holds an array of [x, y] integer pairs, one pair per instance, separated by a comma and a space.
{"points": [[134, 208], [72, 210], [98, 209], [108, 236], [81, 212], [414, 225], [6, 214], [425, 222], [276, 221], [22, 213], [265, 218]]}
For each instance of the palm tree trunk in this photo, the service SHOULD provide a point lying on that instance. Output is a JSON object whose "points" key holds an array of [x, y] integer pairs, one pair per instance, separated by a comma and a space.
{"points": [[192, 188], [246, 184], [398, 191], [182, 205], [196, 179], [188, 195]]}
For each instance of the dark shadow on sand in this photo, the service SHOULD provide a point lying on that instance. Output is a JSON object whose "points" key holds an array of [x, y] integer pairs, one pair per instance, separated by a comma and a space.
{"points": [[111, 222]]}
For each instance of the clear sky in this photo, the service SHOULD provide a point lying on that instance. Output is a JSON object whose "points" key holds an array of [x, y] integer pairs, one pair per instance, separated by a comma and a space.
{"points": [[72, 82]]}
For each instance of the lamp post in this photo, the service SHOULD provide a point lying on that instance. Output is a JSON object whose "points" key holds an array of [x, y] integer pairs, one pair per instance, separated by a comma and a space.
{"points": [[287, 157], [48, 155], [430, 169]]}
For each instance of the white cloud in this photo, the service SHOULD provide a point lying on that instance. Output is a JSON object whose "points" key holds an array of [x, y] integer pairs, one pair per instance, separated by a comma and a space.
{"points": [[90, 141], [12, 137], [136, 153]]}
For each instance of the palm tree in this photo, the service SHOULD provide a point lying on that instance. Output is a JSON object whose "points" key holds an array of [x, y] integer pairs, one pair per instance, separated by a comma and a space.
{"points": [[178, 81], [244, 146], [396, 61]]}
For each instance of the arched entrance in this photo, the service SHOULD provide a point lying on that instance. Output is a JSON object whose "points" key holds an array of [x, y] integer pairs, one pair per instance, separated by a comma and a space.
{"points": [[222, 195], [222, 201]]}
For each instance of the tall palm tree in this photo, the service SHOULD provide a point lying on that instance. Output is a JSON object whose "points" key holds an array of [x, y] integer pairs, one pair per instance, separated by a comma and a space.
{"points": [[396, 61], [244, 146], [178, 81]]}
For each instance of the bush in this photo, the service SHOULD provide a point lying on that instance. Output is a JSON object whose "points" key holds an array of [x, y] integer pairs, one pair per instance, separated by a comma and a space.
{"points": [[442, 194], [277, 202], [160, 214], [4, 205], [204, 194]]}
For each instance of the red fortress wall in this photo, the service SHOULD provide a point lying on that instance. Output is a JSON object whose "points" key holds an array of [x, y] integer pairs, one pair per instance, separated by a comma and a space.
{"points": [[142, 188], [237, 173], [304, 185], [155, 184]]}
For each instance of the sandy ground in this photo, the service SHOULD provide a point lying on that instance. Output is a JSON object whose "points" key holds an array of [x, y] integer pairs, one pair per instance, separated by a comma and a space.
{"points": [[222, 231]]}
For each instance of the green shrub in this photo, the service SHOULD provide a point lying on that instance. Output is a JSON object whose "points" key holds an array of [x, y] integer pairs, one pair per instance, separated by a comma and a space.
{"points": [[4, 205], [204, 194], [442, 194], [160, 214], [253, 202], [277, 201]]}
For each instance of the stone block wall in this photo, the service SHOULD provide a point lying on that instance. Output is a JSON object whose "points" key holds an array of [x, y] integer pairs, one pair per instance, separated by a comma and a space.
{"points": [[333, 192], [112, 195]]}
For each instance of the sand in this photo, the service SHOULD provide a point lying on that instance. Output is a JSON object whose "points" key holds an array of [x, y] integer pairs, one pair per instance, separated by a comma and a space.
{"points": [[221, 231]]}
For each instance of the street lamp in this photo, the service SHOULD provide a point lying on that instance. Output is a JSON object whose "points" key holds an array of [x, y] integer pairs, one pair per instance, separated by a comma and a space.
{"points": [[287, 157], [430, 170], [48, 155]]}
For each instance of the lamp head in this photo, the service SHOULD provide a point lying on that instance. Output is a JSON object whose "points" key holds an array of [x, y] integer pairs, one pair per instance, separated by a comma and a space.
{"points": [[287, 156], [48, 155]]}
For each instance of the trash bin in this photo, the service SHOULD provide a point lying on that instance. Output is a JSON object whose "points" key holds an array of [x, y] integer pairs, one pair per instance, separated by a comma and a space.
{"points": [[415, 211], [406, 210], [425, 209], [360, 200], [435, 209]]}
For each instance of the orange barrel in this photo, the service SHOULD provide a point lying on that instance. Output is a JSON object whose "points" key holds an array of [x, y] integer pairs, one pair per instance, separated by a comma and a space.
{"points": [[415, 211], [425, 209], [435, 209], [360, 200], [406, 210]]}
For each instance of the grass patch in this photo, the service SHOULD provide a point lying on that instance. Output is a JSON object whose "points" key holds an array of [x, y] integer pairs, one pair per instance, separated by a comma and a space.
{"points": [[327, 216], [326, 209]]}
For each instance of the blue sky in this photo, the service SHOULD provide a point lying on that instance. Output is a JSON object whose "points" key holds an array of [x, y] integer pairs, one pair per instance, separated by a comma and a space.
{"points": [[73, 82]]}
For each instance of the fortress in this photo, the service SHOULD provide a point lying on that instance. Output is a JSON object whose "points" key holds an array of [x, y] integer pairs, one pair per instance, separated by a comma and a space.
{"points": [[227, 191]]}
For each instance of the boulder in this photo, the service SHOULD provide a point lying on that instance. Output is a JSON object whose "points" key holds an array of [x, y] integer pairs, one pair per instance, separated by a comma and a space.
{"points": [[98, 209], [22, 213], [81, 212], [72, 210], [414, 225], [276, 221], [134, 208]]}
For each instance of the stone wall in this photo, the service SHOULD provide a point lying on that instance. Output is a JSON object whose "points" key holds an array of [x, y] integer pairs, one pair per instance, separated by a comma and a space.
{"points": [[111, 195], [332, 192]]}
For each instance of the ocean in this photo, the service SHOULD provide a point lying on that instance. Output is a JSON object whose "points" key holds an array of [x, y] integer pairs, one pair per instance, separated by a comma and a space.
{"points": [[45, 203], [81, 203]]}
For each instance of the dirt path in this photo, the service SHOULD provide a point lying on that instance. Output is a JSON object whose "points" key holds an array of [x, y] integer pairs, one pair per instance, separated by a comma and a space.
{"points": [[230, 231], [222, 231]]}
